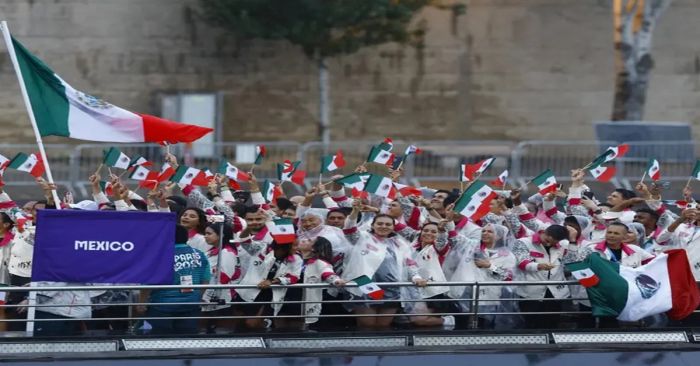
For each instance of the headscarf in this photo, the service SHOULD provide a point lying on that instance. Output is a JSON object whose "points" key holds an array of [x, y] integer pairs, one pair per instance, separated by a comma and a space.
{"points": [[638, 230], [503, 237], [585, 224]]}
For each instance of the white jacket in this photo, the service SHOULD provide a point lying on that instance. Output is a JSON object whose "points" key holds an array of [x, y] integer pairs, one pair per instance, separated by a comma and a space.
{"points": [[61, 298], [316, 271], [686, 237], [529, 252], [288, 273], [22, 253]]}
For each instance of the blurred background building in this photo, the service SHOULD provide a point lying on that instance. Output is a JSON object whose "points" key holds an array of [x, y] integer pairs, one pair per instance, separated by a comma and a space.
{"points": [[503, 69]]}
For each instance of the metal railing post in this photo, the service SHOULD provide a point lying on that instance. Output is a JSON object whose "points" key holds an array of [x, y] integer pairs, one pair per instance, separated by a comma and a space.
{"points": [[475, 305]]}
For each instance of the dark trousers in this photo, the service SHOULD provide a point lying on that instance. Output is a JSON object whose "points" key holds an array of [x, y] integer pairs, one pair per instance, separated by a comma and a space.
{"points": [[58, 326], [111, 325], [544, 321], [173, 326], [14, 298]]}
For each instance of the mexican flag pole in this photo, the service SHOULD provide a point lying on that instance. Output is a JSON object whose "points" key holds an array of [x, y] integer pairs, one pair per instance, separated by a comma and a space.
{"points": [[32, 119], [31, 310]]}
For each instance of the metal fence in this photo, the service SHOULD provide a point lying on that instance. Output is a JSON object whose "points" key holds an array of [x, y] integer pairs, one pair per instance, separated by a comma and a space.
{"points": [[439, 161], [476, 304]]}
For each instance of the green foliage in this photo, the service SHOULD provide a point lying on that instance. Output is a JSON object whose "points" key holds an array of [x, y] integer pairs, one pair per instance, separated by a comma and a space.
{"points": [[322, 28]]}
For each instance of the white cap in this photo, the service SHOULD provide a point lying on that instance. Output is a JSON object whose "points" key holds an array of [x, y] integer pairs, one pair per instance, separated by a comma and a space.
{"points": [[86, 205]]}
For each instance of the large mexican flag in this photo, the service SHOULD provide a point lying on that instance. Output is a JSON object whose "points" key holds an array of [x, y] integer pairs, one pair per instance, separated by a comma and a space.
{"points": [[665, 284], [61, 110]]}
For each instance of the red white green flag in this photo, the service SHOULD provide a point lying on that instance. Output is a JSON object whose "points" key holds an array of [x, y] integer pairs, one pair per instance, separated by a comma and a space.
{"points": [[387, 145], [380, 156], [545, 182], [330, 163], [31, 164], [664, 285], [260, 153], [501, 180], [140, 160], [289, 172], [106, 187], [380, 186], [369, 288], [61, 110], [166, 171], [282, 231], [229, 170], [474, 202], [271, 192], [139, 173], [355, 180], [602, 173], [696, 170], [412, 149], [614, 152], [408, 190], [115, 158], [151, 181], [654, 170], [190, 176], [4, 162]]}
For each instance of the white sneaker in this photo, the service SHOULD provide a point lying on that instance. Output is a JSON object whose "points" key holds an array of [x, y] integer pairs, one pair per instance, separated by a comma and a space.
{"points": [[448, 322]]}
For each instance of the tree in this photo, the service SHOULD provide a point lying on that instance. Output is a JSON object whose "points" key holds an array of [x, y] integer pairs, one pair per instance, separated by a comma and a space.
{"points": [[322, 28], [635, 21]]}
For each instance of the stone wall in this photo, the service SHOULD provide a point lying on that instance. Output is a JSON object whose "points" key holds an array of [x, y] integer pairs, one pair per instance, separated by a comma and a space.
{"points": [[507, 69]]}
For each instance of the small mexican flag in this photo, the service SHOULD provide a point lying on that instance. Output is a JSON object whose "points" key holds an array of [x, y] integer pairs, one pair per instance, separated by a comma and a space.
{"points": [[139, 173], [260, 153], [330, 163], [466, 172], [408, 190], [4, 162], [614, 152], [545, 182], [501, 180], [354, 180], [271, 192], [356, 193], [696, 170], [31, 164], [106, 187], [140, 160], [412, 149], [602, 173], [188, 175], [380, 186], [230, 171], [387, 144], [369, 288], [289, 172], [654, 170], [116, 159], [679, 204], [282, 230], [665, 284], [166, 171], [474, 202], [481, 166], [151, 181], [379, 156]]}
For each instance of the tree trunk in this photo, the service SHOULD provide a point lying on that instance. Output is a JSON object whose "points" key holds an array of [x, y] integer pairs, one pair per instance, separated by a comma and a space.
{"points": [[324, 121], [633, 61]]}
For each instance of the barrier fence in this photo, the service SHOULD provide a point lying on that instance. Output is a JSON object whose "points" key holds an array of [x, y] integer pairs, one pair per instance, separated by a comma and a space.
{"points": [[439, 161], [476, 305]]}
